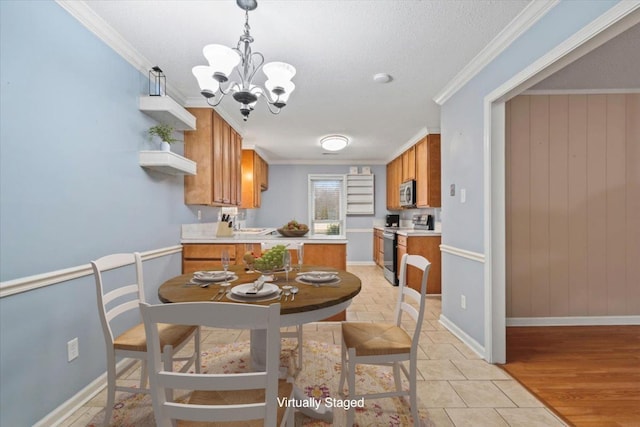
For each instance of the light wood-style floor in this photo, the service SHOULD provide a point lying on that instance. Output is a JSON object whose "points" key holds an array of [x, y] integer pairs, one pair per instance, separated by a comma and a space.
{"points": [[589, 375]]}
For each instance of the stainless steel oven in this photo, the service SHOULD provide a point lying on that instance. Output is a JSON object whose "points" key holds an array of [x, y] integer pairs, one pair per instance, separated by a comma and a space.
{"points": [[390, 253]]}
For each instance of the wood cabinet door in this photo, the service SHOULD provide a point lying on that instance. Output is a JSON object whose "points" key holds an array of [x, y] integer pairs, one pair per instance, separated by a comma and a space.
{"points": [[428, 181], [422, 174], [218, 159], [326, 255], [235, 176], [226, 163], [198, 146], [400, 252], [409, 164]]}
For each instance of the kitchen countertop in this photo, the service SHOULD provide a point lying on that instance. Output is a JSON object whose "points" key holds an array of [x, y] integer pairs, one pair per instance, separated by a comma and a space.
{"points": [[411, 232], [206, 233], [252, 238]]}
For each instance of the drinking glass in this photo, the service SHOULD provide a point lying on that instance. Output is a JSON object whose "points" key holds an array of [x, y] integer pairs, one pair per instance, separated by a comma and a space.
{"points": [[300, 255], [286, 264], [225, 264], [248, 248]]}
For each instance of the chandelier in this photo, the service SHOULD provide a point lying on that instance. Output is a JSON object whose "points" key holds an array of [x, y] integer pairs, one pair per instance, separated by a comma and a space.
{"points": [[214, 79]]}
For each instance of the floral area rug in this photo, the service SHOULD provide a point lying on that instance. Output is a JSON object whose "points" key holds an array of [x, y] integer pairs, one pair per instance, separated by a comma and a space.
{"points": [[319, 379]]}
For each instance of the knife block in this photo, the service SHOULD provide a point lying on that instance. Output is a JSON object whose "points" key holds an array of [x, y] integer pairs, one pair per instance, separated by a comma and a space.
{"points": [[224, 230]]}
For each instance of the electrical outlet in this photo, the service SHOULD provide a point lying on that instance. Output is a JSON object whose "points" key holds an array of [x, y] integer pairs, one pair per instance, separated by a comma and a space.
{"points": [[199, 215], [72, 349], [463, 195], [463, 302]]}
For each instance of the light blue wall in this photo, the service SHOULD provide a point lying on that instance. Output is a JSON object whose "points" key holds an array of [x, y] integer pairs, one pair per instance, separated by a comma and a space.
{"points": [[462, 157], [71, 190], [287, 198]]}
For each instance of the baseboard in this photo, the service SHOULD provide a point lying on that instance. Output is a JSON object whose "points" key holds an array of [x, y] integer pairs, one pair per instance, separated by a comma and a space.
{"points": [[463, 336], [64, 411], [361, 263], [574, 321]]}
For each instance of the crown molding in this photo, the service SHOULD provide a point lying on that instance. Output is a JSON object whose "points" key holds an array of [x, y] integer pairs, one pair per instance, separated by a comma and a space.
{"points": [[619, 91], [98, 26], [520, 24]]}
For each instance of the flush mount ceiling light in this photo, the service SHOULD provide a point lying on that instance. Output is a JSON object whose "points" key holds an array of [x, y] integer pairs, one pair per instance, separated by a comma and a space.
{"points": [[382, 78], [334, 142], [215, 78]]}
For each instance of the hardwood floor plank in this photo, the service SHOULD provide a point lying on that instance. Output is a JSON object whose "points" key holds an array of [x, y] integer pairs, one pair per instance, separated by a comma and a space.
{"points": [[589, 375]]}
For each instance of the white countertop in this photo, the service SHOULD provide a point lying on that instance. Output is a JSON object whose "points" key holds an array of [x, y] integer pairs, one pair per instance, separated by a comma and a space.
{"points": [[206, 233], [252, 238], [411, 232]]}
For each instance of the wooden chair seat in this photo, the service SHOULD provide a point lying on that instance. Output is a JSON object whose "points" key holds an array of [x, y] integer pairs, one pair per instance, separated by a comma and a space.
{"points": [[371, 339], [206, 397], [134, 339]]}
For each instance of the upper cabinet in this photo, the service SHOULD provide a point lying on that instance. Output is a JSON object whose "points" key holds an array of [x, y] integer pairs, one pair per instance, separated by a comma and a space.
{"points": [[422, 163], [428, 183], [255, 179], [217, 150], [409, 164], [394, 179]]}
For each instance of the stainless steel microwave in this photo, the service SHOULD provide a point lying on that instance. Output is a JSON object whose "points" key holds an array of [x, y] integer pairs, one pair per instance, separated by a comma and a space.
{"points": [[408, 193]]}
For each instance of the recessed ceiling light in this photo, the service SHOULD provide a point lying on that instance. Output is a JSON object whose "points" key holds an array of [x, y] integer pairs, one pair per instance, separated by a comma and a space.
{"points": [[334, 142], [382, 78]]}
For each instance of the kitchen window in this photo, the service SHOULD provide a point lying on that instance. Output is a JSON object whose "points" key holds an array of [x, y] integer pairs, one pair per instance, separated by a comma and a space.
{"points": [[327, 204]]}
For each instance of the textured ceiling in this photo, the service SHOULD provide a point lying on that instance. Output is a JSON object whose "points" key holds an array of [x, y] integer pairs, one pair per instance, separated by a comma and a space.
{"points": [[336, 47]]}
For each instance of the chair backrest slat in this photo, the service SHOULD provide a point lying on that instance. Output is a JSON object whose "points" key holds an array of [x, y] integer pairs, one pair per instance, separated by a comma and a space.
{"points": [[407, 293], [180, 411], [239, 381]]}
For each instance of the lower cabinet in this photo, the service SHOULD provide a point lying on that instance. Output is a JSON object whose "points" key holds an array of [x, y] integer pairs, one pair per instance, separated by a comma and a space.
{"points": [[428, 247], [378, 247]]}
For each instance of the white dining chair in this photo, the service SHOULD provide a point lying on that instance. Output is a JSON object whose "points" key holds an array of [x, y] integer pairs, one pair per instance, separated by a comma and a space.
{"points": [[218, 396], [388, 343], [297, 332], [117, 303]]}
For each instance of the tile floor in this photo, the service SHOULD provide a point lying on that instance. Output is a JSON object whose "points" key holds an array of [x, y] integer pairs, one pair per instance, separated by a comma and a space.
{"points": [[455, 385]]}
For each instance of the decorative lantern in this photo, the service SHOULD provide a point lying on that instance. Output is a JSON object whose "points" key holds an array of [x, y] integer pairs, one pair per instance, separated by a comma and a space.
{"points": [[157, 82]]}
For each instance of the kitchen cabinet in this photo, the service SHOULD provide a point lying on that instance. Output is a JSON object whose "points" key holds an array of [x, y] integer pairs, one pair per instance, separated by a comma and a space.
{"points": [[378, 247], [394, 179], [360, 194], [196, 256], [428, 247], [409, 164], [216, 148], [255, 179], [428, 182]]}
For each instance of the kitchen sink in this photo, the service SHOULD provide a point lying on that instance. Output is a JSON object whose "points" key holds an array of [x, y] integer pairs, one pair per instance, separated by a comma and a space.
{"points": [[255, 230]]}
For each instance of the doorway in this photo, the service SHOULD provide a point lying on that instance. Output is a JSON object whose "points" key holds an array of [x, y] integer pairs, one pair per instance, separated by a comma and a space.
{"points": [[622, 16]]}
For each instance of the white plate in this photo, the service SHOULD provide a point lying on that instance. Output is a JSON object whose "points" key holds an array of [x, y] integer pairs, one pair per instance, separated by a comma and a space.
{"points": [[248, 290], [212, 276], [318, 276]]}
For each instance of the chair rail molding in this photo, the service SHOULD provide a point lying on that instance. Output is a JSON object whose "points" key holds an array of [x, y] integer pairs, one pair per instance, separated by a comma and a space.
{"points": [[29, 283], [463, 253]]}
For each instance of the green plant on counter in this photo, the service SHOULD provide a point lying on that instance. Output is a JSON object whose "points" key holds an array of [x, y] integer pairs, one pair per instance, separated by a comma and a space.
{"points": [[164, 132], [333, 229]]}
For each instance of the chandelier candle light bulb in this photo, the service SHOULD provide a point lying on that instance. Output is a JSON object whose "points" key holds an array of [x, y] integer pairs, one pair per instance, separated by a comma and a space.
{"points": [[224, 60]]}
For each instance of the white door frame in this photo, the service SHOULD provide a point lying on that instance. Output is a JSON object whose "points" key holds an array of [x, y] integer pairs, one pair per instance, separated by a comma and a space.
{"points": [[616, 20]]}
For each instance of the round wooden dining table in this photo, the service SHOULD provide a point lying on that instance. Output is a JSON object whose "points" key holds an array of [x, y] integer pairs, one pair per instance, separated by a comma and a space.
{"points": [[311, 303]]}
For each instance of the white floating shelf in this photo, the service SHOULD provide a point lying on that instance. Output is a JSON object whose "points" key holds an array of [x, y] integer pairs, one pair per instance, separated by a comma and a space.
{"points": [[360, 194], [165, 110], [167, 162]]}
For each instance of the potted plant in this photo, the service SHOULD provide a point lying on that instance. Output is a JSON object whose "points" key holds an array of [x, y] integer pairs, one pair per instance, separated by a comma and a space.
{"points": [[165, 133]]}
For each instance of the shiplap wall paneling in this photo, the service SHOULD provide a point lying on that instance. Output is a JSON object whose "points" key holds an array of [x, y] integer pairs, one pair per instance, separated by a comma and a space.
{"points": [[573, 209]]}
